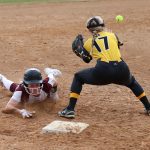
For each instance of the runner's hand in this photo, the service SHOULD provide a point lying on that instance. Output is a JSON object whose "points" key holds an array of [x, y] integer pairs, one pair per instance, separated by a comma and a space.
{"points": [[25, 113]]}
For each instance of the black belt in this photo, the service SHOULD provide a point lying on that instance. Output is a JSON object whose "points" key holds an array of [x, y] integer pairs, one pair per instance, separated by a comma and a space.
{"points": [[116, 61]]}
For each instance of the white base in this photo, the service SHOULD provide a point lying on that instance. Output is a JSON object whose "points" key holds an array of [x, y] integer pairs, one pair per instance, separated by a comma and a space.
{"points": [[64, 127]]}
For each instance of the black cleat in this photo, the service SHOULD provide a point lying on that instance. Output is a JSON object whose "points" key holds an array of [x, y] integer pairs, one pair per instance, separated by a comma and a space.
{"points": [[67, 113]]}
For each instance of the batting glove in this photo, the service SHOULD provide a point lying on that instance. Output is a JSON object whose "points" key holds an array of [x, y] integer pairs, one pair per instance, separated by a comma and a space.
{"points": [[25, 113]]}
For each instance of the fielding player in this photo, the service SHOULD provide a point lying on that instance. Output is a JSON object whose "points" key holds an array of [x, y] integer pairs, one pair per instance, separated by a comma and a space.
{"points": [[110, 68], [32, 89]]}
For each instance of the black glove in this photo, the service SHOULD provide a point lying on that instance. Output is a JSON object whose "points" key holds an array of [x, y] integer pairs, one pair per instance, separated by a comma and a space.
{"points": [[77, 45], [78, 49]]}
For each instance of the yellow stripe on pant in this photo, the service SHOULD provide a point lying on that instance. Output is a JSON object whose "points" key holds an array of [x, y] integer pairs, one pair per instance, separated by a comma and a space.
{"points": [[142, 95], [74, 95]]}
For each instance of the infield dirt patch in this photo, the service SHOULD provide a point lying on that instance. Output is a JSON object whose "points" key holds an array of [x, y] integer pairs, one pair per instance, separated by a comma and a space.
{"points": [[40, 35]]}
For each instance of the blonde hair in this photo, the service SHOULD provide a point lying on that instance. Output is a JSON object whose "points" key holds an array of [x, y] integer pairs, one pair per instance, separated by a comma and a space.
{"points": [[99, 29]]}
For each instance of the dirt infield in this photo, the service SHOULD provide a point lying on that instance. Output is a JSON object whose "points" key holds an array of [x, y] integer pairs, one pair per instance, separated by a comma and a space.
{"points": [[40, 35]]}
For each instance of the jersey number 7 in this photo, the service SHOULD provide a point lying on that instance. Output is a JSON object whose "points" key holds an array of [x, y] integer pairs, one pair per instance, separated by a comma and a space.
{"points": [[105, 43]]}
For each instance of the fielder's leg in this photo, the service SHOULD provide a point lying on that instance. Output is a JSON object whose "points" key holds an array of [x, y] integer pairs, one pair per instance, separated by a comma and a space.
{"points": [[124, 77], [88, 76], [139, 93]]}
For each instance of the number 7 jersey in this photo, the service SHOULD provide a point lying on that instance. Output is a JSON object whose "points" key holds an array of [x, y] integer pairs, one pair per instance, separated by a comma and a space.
{"points": [[104, 47]]}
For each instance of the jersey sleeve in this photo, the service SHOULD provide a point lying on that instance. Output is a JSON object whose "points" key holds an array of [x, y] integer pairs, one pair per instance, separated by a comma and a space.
{"points": [[17, 96], [20, 94], [48, 83], [88, 45]]}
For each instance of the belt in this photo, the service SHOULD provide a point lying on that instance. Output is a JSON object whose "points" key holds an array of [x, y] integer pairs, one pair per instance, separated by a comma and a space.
{"points": [[107, 61]]}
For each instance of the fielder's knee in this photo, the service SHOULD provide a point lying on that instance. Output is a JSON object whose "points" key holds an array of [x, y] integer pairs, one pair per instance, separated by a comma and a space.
{"points": [[136, 88], [78, 77], [131, 82]]}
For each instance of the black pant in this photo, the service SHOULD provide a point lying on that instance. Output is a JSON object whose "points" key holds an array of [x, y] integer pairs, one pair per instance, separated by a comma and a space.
{"points": [[105, 73]]}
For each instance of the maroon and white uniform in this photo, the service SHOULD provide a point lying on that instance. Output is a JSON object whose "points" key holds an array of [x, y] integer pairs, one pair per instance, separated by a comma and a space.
{"points": [[20, 94]]}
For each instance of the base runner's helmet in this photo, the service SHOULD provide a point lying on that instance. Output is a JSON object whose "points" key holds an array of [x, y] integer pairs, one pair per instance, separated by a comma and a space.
{"points": [[32, 81], [95, 23]]}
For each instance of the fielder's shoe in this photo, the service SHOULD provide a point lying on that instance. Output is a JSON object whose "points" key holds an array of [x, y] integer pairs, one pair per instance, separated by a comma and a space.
{"points": [[67, 113], [54, 72]]}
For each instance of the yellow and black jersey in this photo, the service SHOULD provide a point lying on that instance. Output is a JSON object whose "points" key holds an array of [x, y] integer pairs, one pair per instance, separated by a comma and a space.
{"points": [[104, 47]]}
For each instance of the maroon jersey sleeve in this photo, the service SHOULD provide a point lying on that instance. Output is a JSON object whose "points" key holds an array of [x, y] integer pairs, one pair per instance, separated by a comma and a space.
{"points": [[46, 85], [24, 95]]}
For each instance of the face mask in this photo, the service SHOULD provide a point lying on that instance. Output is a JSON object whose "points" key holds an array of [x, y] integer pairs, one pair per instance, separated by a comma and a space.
{"points": [[33, 89]]}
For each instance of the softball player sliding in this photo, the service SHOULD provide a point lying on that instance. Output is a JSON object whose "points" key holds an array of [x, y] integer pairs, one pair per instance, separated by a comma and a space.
{"points": [[110, 68], [31, 90]]}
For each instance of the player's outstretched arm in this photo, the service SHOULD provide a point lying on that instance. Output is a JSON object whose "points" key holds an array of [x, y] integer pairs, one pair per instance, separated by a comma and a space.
{"points": [[15, 107]]}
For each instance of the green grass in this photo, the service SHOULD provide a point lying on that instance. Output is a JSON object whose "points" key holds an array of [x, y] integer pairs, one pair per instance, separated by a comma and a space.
{"points": [[31, 1]]}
